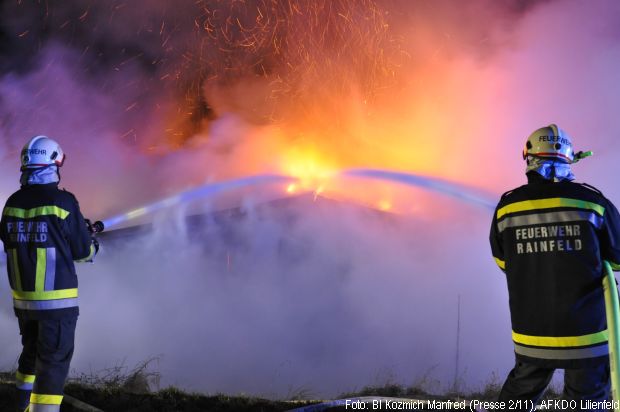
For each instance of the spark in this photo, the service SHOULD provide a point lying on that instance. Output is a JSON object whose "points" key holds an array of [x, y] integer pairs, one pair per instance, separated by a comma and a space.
{"points": [[331, 43]]}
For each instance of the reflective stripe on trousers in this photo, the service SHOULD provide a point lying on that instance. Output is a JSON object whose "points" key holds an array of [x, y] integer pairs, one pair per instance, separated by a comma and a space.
{"points": [[24, 381], [48, 344], [45, 403]]}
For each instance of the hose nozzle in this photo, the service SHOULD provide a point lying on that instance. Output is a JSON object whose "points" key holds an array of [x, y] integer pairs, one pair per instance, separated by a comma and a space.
{"points": [[96, 227]]}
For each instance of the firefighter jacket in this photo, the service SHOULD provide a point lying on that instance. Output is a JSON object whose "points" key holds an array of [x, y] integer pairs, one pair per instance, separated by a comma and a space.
{"points": [[43, 233], [550, 239]]}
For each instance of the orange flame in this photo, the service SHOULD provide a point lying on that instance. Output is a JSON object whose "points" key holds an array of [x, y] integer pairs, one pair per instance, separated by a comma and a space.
{"points": [[311, 170]]}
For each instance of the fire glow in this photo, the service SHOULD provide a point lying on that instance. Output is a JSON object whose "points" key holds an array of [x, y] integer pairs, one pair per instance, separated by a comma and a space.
{"points": [[324, 84], [312, 173]]}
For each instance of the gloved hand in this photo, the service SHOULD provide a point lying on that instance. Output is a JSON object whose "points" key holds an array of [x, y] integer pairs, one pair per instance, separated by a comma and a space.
{"points": [[89, 226], [96, 245]]}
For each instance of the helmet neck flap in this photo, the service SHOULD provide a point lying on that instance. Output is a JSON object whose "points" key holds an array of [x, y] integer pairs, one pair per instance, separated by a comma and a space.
{"points": [[40, 176], [549, 169]]}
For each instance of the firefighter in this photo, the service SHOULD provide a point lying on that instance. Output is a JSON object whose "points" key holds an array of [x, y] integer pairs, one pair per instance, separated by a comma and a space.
{"points": [[43, 233], [550, 238]]}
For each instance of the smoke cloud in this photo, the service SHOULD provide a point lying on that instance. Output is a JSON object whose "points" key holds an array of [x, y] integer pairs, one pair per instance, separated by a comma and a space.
{"points": [[322, 294]]}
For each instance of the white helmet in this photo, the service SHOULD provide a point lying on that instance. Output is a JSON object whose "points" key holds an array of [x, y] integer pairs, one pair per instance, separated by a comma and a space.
{"points": [[41, 151], [550, 142]]}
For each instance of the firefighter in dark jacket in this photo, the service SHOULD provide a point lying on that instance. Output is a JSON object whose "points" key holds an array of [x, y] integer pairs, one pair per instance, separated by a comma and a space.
{"points": [[43, 233], [550, 237]]}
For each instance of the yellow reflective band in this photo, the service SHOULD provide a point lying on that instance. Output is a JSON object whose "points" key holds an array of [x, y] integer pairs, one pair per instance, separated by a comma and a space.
{"points": [[15, 265], [549, 204], [46, 294], [39, 282], [90, 255], [46, 399], [22, 377], [34, 212], [500, 263], [561, 341], [614, 266]]}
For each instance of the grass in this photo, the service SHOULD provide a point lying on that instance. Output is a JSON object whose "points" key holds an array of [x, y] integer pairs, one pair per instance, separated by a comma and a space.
{"points": [[116, 390], [137, 390], [169, 399]]}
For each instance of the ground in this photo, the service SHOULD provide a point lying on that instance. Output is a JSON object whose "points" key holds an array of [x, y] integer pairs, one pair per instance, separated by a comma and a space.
{"points": [[116, 397], [167, 400]]}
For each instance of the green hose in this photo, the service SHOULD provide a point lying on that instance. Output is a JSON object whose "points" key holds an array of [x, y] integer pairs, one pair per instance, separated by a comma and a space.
{"points": [[612, 310]]}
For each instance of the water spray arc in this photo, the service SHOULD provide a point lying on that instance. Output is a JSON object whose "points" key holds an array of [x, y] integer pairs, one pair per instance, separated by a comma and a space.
{"points": [[455, 190], [187, 196]]}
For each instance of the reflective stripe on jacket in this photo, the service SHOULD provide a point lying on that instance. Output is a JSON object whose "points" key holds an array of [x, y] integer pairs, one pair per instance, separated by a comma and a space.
{"points": [[43, 232], [550, 239]]}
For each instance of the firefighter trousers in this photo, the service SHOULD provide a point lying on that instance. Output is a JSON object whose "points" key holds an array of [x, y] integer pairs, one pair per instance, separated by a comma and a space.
{"points": [[43, 365], [528, 382]]}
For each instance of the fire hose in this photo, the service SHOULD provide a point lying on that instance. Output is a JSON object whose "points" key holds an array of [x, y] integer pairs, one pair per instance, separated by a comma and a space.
{"points": [[612, 310]]}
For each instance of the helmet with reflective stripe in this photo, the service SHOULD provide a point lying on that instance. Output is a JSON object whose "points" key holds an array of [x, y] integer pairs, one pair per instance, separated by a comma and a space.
{"points": [[550, 142], [41, 151]]}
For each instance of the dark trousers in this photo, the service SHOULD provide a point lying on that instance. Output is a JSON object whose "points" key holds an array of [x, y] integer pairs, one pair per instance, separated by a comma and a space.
{"points": [[528, 382], [44, 362]]}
